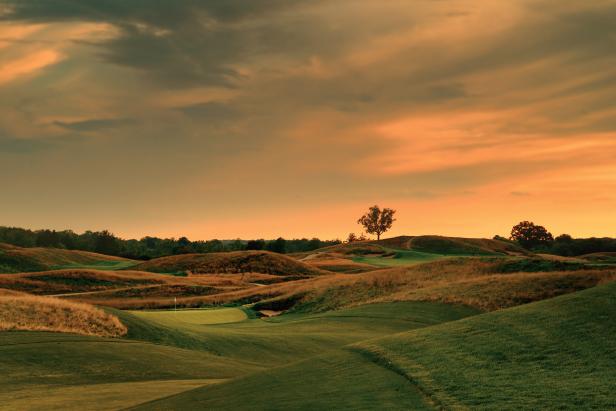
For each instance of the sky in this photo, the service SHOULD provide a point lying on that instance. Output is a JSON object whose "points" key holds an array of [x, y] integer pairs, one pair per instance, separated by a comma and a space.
{"points": [[259, 119]]}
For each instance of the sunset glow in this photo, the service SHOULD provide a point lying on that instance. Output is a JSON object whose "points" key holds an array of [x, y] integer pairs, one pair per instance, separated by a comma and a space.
{"points": [[289, 118]]}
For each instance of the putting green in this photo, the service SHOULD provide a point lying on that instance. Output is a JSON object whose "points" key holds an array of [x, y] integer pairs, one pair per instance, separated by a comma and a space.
{"points": [[195, 316]]}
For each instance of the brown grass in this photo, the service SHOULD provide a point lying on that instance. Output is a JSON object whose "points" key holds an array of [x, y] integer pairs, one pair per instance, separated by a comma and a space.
{"points": [[262, 262], [58, 256], [35, 313], [473, 282]]}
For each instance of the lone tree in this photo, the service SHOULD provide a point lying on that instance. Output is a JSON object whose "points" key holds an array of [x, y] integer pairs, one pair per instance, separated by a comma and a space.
{"points": [[529, 235], [377, 221]]}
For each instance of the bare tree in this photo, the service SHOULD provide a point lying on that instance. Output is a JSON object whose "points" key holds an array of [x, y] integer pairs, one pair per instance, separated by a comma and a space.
{"points": [[377, 221]]}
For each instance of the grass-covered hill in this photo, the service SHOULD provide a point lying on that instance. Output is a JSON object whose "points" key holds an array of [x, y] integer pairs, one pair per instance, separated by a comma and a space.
{"points": [[405, 250], [396, 338], [15, 259], [486, 283], [124, 289], [453, 245], [165, 351], [21, 311], [553, 354], [264, 262]]}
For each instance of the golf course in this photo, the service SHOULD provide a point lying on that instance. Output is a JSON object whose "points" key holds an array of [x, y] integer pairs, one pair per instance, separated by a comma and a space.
{"points": [[403, 323]]}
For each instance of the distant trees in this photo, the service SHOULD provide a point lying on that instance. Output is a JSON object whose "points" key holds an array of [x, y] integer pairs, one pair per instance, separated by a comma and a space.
{"points": [[255, 244], [377, 221], [149, 247], [354, 238], [530, 235], [279, 245]]}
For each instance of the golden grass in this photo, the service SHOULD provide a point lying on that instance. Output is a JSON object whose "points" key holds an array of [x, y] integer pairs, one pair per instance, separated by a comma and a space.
{"points": [[4, 292], [35, 313], [473, 282], [263, 262], [58, 256], [500, 291]]}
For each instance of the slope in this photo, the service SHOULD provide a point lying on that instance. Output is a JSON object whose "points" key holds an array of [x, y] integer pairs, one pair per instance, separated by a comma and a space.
{"points": [[263, 262], [15, 259], [555, 354]]}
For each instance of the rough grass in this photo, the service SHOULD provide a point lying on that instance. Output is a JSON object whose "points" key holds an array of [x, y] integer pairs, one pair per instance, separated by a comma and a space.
{"points": [[35, 313], [465, 246], [15, 259], [232, 262], [478, 282], [475, 282], [127, 285], [430, 244]]}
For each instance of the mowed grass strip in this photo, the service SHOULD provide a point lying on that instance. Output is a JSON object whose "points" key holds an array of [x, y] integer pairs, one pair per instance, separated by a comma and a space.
{"points": [[96, 397], [553, 354], [340, 380], [330, 378], [39, 359]]}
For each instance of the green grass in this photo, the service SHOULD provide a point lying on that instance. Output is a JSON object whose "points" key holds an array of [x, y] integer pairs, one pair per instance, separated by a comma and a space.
{"points": [[165, 346], [35, 361], [397, 258], [338, 379], [100, 265], [194, 316], [556, 354]]}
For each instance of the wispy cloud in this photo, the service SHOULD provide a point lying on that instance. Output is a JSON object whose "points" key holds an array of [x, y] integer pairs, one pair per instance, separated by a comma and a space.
{"points": [[321, 102]]}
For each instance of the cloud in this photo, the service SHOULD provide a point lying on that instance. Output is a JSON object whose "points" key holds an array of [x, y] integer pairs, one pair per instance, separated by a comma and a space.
{"points": [[23, 146], [95, 124], [335, 101]]}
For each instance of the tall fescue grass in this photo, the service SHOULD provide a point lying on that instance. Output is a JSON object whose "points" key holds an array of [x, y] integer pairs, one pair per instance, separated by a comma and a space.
{"points": [[35, 313], [232, 262]]}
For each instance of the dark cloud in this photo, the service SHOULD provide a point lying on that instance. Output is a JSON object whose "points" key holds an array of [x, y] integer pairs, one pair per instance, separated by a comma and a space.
{"points": [[23, 146], [12, 145], [94, 124], [211, 112], [182, 43]]}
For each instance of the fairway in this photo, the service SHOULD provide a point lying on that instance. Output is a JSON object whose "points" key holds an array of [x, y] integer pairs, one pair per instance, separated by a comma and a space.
{"points": [[97, 397], [194, 316], [100, 265], [396, 258], [203, 346]]}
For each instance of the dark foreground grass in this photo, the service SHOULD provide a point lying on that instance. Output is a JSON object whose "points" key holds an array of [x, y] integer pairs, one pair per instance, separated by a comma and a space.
{"points": [[553, 354], [340, 379], [168, 347]]}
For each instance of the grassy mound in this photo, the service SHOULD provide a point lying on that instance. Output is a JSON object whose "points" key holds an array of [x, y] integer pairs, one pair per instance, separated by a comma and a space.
{"points": [[75, 281], [34, 313], [556, 354], [462, 246], [17, 259], [600, 258], [233, 262], [484, 283], [340, 379]]}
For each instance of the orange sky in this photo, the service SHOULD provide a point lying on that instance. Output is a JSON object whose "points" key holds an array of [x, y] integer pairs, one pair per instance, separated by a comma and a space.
{"points": [[290, 118]]}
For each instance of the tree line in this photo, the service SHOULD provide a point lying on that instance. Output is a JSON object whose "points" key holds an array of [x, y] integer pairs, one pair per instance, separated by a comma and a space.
{"points": [[146, 248], [537, 238]]}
